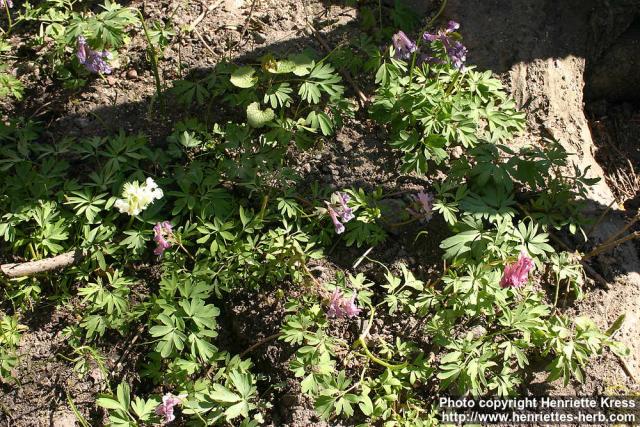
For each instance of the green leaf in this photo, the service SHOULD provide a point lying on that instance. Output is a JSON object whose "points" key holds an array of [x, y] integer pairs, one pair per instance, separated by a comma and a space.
{"points": [[222, 394], [256, 117], [110, 403], [243, 77], [240, 408], [324, 406]]}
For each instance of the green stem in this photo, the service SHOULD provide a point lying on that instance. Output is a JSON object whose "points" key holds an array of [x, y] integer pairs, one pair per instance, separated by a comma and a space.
{"points": [[186, 251], [555, 299], [33, 251], [263, 208], [6, 8], [375, 359], [152, 57], [419, 41], [362, 341]]}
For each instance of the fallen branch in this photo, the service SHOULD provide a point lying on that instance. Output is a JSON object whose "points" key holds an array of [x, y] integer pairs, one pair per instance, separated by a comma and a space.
{"points": [[14, 270], [259, 343]]}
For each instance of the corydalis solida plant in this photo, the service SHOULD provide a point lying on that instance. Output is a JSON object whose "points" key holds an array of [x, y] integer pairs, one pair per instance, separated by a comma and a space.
{"points": [[422, 206], [166, 408], [162, 235], [94, 61], [517, 274], [339, 210], [455, 50], [448, 37], [403, 45], [137, 197], [341, 307]]}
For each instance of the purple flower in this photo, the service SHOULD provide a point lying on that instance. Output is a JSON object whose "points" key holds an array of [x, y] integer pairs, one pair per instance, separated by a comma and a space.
{"points": [[161, 232], [341, 307], [423, 204], [92, 60], [452, 26], [346, 213], [9, 3], [334, 217], [457, 53], [165, 409], [403, 46], [517, 274], [455, 50]]}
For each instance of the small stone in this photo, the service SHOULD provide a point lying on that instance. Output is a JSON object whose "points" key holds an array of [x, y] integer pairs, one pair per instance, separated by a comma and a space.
{"points": [[63, 419], [132, 74], [82, 122], [259, 38], [111, 80]]}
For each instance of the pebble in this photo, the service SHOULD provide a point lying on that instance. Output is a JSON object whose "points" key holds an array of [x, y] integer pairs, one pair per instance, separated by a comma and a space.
{"points": [[132, 74], [111, 80]]}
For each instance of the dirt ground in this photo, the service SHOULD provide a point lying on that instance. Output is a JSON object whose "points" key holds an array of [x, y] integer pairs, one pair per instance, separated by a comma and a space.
{"points": [[541, 60]]}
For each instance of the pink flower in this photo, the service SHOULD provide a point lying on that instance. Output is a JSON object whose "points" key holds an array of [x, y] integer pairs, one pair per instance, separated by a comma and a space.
{"points": [[165, 409], [161, 232], [341, 307], [334, 217], [517, 274], [423, 202]]}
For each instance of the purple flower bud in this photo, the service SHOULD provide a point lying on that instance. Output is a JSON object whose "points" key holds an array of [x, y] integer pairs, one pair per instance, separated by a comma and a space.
{"points": [[517, 274], [403, 46], [452, 26], [9, 3], [161, 232], [92, 60], [341, 307], [430, 37]]}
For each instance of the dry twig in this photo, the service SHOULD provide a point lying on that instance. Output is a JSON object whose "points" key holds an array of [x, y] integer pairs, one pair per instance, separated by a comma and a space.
{"points": [[14, 270]]}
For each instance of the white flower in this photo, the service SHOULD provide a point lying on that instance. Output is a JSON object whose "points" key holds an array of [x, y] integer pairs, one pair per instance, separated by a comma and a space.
{"points": [[136, 197]]}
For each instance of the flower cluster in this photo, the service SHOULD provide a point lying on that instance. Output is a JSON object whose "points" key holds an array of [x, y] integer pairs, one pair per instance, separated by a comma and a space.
{"points": [[422, 206], [341, 307], [162, 234], [339, 211], [8, 3], [165, 409], [402, 45], [136, 197], [517, 274], [455, 50], [93, 60]]}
